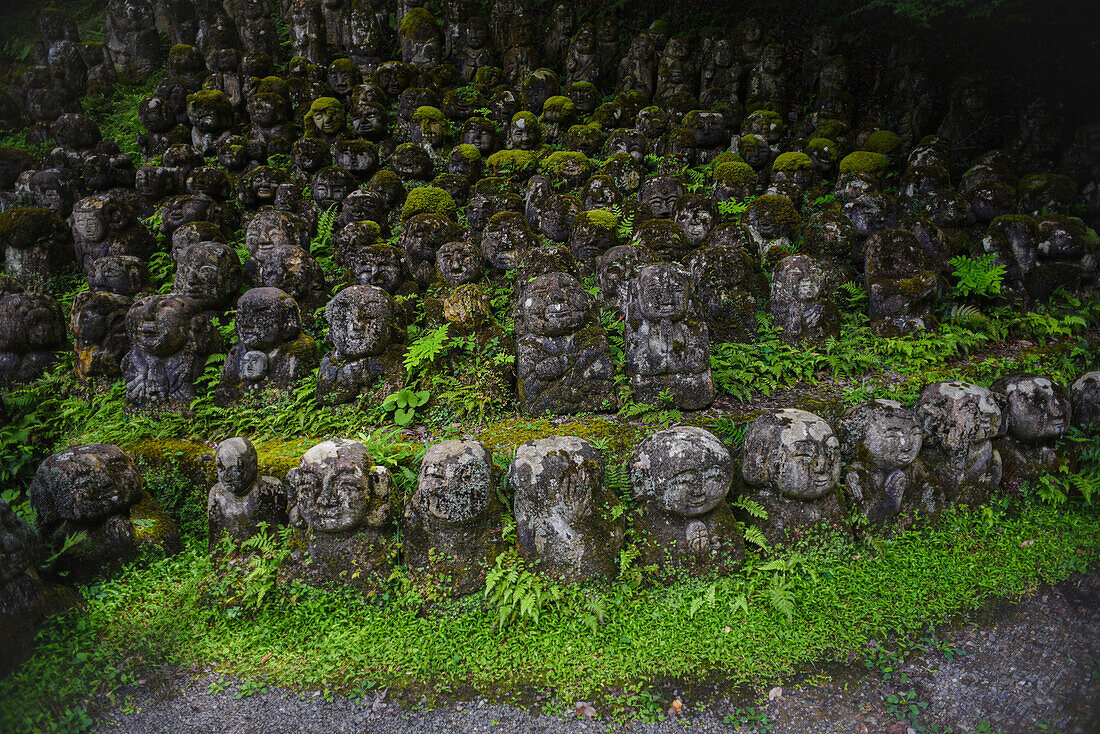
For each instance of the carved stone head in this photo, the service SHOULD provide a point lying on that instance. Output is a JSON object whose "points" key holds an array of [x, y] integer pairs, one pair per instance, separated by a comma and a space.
{"points": [[455, 482], [686, 470], [339, 490], [956, 415], [360, 321], [85, 484], [882, 435], [236, 465], [554, 304], [1037, 409], [792, 452]]}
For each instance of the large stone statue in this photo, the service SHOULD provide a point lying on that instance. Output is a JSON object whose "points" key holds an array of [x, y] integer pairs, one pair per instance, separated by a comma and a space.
{"points": [[32, 333], [1037, 413], [566, 524], [680, 479], [1085, 397], [170, 339], [451, 523], [667, 346], [366, 344]]}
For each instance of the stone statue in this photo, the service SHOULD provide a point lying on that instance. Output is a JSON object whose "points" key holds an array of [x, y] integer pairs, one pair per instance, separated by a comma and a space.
{"points": [[680, 478], [960, 421], [97, 489], [563, 361], [802, 302], [170, 339], [242, 499], [902, 286], [32, 333], [1085, 397], [98, 324], [1037, 413], [451, 523], [209, 273], [271, 351], [667, 347], [105, 224], [366, 344], [565, 520]]}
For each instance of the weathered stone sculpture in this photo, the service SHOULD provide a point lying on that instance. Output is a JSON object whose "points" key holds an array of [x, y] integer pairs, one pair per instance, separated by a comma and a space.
{"points": [[801, 301], [271, 351], [680, 478], [170, 339], [960, 421], [366, 344], [566, 524], [1037, 413], [32, 333], [451, 523], [460, 263], [132, 39], [242, 499], [563, 361], [902, 287], [728, 284], [104, 224], [667, 346], [98, 324], [22, 601], [347, 506], [97, 489], [881, 440], [208, 272], [617, 269], [792, 458], [1085, 397]]}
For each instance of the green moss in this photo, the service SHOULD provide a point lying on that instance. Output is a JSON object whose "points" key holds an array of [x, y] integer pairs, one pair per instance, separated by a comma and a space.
{"points": [[428, 199], [153, 528], [527, 117], [554, 162], [598, 217], [278, 456], [512, 161], [735, 172], [19, 219], [863, 161], [883, 141], [727, 156], [427, 113], [559, 104], [324, 104], [179, 49], [792, 161], [822, 147], [777, 209], [619, 438], [585, 88], [467, 152], [417, 23], [831, 129], [208, 98]]}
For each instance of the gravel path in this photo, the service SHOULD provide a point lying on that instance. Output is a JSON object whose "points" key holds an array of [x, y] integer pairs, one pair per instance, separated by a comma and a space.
{"points": [[1033, 666]]}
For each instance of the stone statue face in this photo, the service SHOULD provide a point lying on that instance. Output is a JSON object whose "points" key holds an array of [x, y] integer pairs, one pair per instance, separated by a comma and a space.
{"points": [[368, 120], [267, 317], [328, 120], [1037, 409], [272, 230], [204, 271], [331, 186], [661, 193], [555, 304], [883, 434], [160, 325], [697, 216], [793, 452], [1085, 396], [481, 135], [378, 266], [93, 218], [359, 320], [957, 415], [266, 109], [121, 274], [556, 477], [505, 239], [664, 292], [619, 265], [333, 486], [523, 134], [342, 77], [236, 465], [460, 263], [686, 469], [455, 482], [85, 483]]}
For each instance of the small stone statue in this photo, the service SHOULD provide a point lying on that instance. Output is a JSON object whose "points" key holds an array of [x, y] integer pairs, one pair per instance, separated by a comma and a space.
{"points": [[667, 347], [697, 214], [460, 263], [242, 498], [132, 39], [347, 505], [563, 361], [211, 115], [680, 478], [451, 523], [801, 301], [582, 63], [170, 339], [902, 285], [208, 272], [32, 333], [728, 285], [881, 440], [105, 224], [1085, 397], [97, 489], [618, 267], [1037, 413], [271, 351], [792, 458], [38, 244], [366, 344], [661, 193], [676, 71], [98, 324], [565, 515], [960, 421]]}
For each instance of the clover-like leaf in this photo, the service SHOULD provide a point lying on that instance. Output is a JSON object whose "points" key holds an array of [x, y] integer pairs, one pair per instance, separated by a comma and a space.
{"points": [[404, 417]]}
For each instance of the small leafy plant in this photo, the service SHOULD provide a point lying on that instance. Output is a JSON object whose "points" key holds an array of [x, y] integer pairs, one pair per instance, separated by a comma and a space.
{"points": [[979, 276], [403, 404]]}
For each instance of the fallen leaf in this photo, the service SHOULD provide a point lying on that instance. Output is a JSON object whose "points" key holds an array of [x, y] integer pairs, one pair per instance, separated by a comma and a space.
{"points": [[863, 728], [265, 658], [1027, 544], [726, 629], [677, 705], [775, 693], [585, 710]]}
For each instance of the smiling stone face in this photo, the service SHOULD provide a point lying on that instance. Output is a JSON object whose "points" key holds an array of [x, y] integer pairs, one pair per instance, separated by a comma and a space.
{"points": [[460, 263], [555, 304], [685, 469], [883, 434], [664, 292], [360, 320], [1037, 409], [267, 317], [334, 488], [792, 452], [454, 482]]}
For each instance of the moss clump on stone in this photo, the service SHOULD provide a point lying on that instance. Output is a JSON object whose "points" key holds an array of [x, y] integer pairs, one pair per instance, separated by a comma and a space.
{"points": [[777, 209], [428, 200], [512, 162], [559, 159], [882, 141], [735, 172], [209, 98], [22, 219], [528, 118], [822, 147], [831, 129], [417, 22], [467, 152], [864, 161], [727, 156], [598, 218], [560, 105], [324, 104], [427, 113], [792, 161]]}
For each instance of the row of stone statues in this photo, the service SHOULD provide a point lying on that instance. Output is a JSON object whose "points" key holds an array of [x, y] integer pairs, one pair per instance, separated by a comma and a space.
{"points": [[884, 462]]}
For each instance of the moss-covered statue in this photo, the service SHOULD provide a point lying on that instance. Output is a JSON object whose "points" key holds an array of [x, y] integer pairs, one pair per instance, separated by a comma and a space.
{"points": [[367, 344], [242, 499], [271, 352], [902, 287], [667, 345], [563, 361], [1085, 400], [451, 523], [346, 506], [791, 460], [170, 339], [1037, 413], [802, 302], [567, 525], [680, 478], [32, 333], [97, 489]]}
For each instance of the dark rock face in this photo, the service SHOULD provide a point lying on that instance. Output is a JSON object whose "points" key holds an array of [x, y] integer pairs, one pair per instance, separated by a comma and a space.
{"points": [[681, 477], [791, 459], [242, 499], [564, 520], [22, 603], [271, 351], [667, 347], [563, 362], [32, 334], [346, 508], [1085, 397], [97, 490], [451, 523]]}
